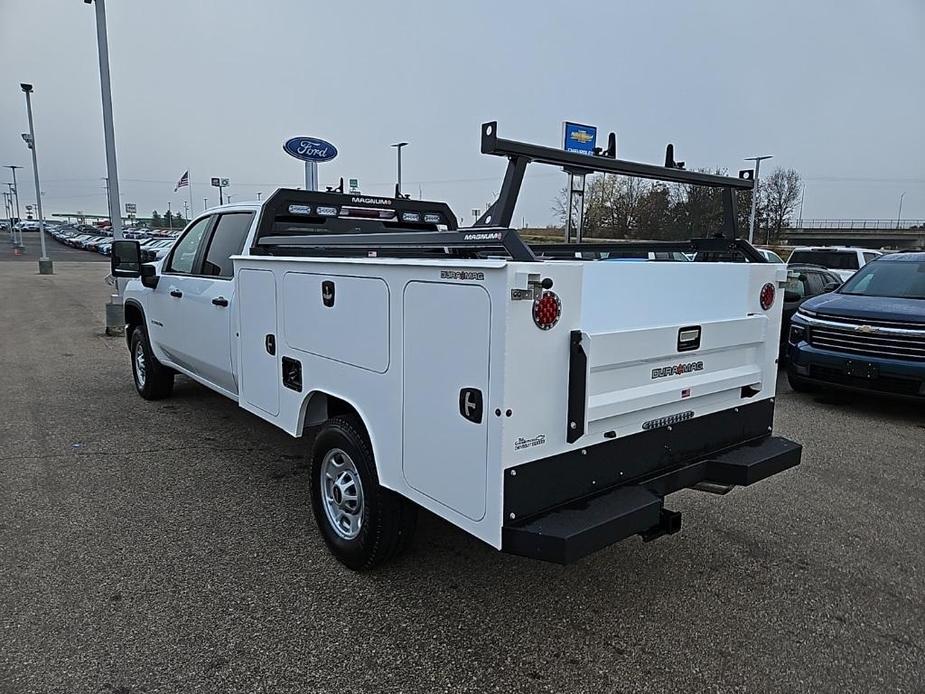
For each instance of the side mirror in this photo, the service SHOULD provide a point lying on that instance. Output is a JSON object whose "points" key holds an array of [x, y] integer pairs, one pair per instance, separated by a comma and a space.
{"points": [[831, 286], [126, 258]]}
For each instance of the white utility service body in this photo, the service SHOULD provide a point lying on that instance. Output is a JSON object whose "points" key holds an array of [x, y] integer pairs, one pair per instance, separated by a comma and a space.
{"points": [[544, 399], [402, 340]]}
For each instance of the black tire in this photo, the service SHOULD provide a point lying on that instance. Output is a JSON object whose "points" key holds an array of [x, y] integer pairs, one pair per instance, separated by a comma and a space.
{"points": [[156, 382], [798, 384], [386, 519]]}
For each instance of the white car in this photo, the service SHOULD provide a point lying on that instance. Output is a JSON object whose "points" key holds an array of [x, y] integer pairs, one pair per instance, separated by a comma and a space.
{"points": [[770, 255], [545, 403], [844, 261]]}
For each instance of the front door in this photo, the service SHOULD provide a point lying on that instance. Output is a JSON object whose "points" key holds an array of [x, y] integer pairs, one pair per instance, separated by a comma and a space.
{"points": [[165, 304], [201, 330]]}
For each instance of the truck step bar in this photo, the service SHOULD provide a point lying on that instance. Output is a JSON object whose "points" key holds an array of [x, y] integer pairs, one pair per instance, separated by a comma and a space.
{"points": [[567, 533]]}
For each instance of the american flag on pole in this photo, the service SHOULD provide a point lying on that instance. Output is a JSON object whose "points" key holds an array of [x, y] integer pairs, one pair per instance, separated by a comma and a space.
{"points": [[184, 181]]}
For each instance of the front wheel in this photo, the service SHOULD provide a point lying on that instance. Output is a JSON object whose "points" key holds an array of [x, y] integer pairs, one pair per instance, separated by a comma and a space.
{"points": [[362, 523], [153, 380]]}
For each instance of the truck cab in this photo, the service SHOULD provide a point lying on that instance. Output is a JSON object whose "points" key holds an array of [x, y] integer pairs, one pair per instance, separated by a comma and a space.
{"points": [[187, 312]]}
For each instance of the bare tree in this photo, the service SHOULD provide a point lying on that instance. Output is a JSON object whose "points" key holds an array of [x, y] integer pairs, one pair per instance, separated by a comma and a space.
{"points": [[778, 198], [622, 207]]}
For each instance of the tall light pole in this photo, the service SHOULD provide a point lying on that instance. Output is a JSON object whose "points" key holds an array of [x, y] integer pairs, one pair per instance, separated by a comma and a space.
{"points": [[899, 215], [398, 146], [751, 219], [115, 320], [205, 204], [109, 136], [15, 239], [14, 192], [45, 265], [8, 210]]}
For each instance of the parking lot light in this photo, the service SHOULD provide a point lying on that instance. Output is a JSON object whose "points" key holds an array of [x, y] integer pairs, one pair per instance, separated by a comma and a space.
{"points": [[45, 265], [14, 193]]}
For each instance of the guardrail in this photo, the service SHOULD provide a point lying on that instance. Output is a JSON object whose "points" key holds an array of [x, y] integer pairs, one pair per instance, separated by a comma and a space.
{"points": [[882, 224]]}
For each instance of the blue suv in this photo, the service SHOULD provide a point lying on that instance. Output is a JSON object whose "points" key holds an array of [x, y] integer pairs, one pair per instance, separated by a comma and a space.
{"points": [[868, 335]]}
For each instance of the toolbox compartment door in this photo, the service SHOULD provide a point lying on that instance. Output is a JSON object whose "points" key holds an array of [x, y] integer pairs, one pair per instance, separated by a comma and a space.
{"points": [[259, 376], [445, 360]]}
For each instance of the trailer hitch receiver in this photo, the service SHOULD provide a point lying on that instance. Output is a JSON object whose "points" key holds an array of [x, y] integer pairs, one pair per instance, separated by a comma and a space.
{"points": [[669, 522]]}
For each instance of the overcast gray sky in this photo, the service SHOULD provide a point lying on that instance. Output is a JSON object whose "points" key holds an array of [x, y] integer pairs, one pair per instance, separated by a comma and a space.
{"points": [[833, 88]]}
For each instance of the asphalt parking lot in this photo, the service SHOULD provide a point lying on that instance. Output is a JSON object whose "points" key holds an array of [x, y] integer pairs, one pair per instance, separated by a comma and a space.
{"points": [[169, 547], [32, 250]]}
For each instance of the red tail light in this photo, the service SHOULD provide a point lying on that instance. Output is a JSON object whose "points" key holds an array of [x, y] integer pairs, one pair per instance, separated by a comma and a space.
{"points": [[546, 310], [767, 296]]}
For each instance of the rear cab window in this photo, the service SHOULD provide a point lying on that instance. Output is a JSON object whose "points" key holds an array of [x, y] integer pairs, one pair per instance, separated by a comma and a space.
{"points": [[227, 240], [836, 260]]}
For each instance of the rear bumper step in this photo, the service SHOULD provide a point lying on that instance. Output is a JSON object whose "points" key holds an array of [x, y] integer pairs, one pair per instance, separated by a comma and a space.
{"points": [[579, 528]]}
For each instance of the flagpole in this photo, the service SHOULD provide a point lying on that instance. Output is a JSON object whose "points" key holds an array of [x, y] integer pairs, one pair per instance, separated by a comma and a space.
{"points": [[189, 185]]}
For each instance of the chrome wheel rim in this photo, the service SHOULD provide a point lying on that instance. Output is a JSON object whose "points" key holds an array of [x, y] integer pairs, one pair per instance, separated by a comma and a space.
{"points": [[140, 370], [342, 493]]}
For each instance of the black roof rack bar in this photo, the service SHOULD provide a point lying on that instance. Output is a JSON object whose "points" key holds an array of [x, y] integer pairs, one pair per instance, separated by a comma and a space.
{"points": [[276, 212], [480, 240], [723, 246], [522, 153]]}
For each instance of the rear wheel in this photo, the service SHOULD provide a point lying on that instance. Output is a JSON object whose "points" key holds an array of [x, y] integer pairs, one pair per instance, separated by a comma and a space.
{"points": [[153, 380], [362, 523]]}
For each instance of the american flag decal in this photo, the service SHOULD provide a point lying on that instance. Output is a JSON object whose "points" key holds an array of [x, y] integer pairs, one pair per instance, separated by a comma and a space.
{"points": [[686, 393], [184, 181]]}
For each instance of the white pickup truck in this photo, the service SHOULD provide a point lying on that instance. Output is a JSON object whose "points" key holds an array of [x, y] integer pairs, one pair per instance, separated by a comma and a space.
{"points": [[539, 397]]}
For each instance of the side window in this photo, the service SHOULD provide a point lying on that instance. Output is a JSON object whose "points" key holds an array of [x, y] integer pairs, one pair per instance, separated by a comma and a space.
{"points": [[869, 256], [796, 283], [184, 253], [814, 283], [227, 240]]}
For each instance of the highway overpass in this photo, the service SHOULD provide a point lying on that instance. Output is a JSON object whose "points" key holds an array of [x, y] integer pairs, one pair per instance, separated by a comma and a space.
{"points": [[867, 233]]}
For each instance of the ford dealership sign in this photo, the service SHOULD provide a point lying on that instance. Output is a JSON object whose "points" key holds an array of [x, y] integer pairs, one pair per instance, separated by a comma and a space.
{"points": [[310, 149]]}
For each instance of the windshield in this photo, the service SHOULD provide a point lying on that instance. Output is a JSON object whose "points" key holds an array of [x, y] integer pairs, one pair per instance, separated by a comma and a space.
{"points": [[893, 278], [835, 260]]}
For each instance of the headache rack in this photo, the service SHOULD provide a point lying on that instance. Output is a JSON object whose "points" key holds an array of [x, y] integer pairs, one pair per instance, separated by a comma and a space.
{"points": [[307, 223]]}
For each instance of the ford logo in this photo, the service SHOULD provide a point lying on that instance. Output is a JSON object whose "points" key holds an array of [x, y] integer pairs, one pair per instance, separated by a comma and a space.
{"points": [[310, 149]]}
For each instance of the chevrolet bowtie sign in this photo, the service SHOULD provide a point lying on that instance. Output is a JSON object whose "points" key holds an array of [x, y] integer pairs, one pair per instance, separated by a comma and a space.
{"points": [[578, 138]]}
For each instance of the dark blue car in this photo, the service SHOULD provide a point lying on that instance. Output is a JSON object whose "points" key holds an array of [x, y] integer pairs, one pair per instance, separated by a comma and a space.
{"points": [[868, 335]]}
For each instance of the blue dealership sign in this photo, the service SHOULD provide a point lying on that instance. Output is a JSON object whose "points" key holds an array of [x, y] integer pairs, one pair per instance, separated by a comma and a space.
{"points": [[310, 149], [578, 138]]}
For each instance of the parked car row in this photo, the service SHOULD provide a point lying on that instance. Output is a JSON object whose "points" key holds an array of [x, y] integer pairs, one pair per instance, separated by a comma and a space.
{"points": [[91, 238]]}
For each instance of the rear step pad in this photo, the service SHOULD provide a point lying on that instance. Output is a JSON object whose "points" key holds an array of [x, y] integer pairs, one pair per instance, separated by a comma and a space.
{"points": [[577, 529], [751, 463]]}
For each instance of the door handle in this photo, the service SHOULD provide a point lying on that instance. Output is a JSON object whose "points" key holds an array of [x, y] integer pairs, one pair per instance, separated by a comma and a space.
{"points": [[176, 292], [470, 404], [220, 301]]}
